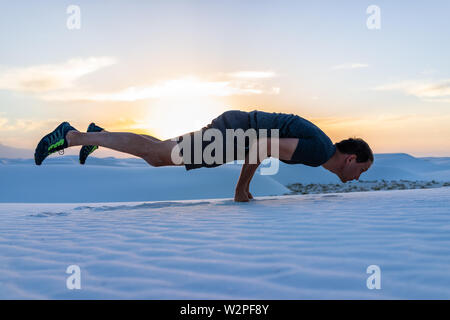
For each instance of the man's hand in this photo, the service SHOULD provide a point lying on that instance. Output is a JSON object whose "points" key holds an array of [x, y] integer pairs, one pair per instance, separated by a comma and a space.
{"points": [[241, 195], [248, 191]]}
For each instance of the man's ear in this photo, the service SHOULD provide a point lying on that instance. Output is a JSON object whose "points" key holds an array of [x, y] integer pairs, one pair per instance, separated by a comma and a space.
{"points": [[350, 157]]}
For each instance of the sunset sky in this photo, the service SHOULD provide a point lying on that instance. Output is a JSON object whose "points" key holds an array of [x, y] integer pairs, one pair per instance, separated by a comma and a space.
{"points": [[165, 68]]}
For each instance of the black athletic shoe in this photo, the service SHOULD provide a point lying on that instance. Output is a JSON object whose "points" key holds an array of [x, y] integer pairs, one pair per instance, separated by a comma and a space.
{"points": [[52, 142], [85, 151]]}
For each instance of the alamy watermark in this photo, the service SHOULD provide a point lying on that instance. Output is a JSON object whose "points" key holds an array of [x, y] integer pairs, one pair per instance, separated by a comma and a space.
{"points": [[74, 19], [374, 280], [373, 22], [74, 280]]}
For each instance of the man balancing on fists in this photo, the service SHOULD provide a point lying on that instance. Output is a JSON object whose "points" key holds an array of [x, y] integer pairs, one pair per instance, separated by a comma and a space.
{"points": [[233, 135]]}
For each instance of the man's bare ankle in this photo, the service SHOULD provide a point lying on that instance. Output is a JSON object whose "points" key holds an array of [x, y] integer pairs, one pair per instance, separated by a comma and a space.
{"points": [[71, 137]]}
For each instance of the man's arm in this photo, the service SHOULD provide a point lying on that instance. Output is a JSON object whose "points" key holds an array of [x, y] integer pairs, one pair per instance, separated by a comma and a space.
{"points": [[242, 193], [286, 150]]}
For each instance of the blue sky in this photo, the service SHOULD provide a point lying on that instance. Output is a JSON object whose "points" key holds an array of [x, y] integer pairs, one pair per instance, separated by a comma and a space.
{"points": [[168, 67]]}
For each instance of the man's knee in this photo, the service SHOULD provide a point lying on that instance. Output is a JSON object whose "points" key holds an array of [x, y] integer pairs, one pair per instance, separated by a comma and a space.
{"points": [[160, 155], [154, 161]]}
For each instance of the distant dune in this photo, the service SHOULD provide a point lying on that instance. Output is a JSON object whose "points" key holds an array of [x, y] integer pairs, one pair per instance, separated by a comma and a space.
{"points": [[11, 152], [22, 153], [61, 179]]}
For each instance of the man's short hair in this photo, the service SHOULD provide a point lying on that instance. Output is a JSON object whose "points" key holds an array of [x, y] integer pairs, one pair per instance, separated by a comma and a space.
{"points": [[356, 146]]}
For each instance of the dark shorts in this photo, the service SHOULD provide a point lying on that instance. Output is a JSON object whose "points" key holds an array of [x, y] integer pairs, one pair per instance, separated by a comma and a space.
{"points": [[232, 119]]}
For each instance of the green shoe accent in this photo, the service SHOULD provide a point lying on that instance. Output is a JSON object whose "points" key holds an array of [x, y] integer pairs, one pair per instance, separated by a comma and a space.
{"points": [[55, 145], [93, 149]]}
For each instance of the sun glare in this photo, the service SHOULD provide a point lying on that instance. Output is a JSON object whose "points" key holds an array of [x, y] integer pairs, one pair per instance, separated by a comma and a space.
{"points": [[174, 116]]}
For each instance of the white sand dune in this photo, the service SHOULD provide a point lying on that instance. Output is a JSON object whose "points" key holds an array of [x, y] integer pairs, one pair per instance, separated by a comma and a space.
{"points": [[288, 247], [120, 180], [166, 233], [62, 179]]}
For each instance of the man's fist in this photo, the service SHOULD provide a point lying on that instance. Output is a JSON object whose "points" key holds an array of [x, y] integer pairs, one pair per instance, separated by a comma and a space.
{"points": [[248, 192], [241, 195]]}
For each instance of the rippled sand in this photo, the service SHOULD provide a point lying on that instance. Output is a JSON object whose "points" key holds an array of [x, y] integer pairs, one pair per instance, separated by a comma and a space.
{"points": [[285, 247]]}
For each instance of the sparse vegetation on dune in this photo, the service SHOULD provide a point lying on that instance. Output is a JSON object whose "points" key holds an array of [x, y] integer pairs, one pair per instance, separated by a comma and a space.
{"points": [[356, 186]]}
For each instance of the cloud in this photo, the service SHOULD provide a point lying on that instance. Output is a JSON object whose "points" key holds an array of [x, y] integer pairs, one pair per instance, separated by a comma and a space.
{"points": [[45, 78], [252, 74], [369, 120], [23, 125], [350, 66], [188, 86], [3, 122], [57, 82], [427, 90], [437, 100]]}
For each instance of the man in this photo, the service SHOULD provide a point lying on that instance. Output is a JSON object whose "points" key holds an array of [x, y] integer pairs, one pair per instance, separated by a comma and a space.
{"points": [[297, 141]]}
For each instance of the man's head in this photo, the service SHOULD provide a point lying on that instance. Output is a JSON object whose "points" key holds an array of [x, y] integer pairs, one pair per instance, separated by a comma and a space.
{"points": [[354, 157]]}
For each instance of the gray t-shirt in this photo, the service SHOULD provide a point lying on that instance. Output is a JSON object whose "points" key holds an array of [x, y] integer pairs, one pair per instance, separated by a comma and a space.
{"points": [[314, 147]]}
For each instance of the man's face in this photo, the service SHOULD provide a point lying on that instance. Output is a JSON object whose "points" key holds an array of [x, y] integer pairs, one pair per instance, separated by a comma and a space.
{"points": [[351, 169]]}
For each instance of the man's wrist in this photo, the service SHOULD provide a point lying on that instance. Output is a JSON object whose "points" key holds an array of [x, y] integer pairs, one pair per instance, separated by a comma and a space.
{"points": [[241, 185]]}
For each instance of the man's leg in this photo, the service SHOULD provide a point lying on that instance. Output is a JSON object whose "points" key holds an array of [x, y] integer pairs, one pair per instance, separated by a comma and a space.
{"points": [[144, 135], [150, 137], [154, 151]]}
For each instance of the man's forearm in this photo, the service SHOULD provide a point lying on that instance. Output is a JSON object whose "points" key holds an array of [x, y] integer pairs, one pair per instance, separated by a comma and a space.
{"points": [[247, 172], [248, 168]]}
